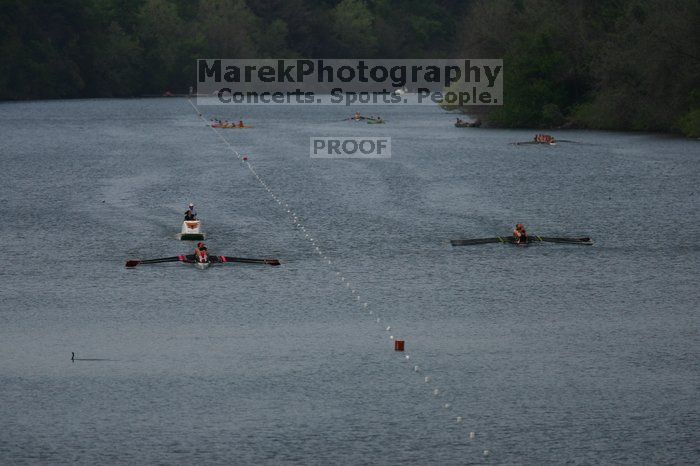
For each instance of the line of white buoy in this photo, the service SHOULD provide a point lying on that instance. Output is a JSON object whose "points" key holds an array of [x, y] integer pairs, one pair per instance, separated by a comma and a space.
{"points": [[436, 391]]}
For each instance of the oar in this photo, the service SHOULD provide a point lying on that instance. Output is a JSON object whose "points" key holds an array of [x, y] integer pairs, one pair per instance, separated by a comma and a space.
{"points": [[248, 261], [467, 242], [585, 240], [355, 119], [135, 262]]}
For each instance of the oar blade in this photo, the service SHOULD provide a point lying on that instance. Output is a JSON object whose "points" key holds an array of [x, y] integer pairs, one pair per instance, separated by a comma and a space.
{"points": [[132, 263]]}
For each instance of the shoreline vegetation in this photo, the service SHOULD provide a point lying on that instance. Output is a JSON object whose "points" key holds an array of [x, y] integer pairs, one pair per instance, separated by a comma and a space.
{"points": [[629, 65]]}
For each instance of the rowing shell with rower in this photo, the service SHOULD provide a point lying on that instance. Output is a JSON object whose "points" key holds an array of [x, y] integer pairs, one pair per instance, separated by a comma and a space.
{"points": [[202, 262], [531, 239]]}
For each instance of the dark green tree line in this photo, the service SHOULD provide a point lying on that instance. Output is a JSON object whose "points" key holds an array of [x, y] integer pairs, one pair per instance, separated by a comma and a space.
{"points": [[620, 64], [617, 64]]}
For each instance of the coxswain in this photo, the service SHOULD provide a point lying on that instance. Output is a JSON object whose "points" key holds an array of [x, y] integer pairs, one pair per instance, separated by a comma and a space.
{"points": [[190, 213], [357, 116]]}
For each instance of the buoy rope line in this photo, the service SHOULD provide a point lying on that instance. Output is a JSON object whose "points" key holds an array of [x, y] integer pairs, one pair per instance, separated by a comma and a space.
{"points": [[443, 397]]}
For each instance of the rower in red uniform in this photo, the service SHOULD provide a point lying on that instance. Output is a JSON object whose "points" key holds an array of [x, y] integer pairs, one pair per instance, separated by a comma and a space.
{"points": [[520, 234], [200, 253]]}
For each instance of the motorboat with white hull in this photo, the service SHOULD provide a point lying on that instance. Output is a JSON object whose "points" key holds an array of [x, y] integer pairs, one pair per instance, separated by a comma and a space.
{"points": [[191, 231]]}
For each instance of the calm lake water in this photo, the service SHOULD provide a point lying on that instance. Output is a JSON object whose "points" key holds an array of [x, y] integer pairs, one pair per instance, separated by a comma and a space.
{"points": [[548, 353]]}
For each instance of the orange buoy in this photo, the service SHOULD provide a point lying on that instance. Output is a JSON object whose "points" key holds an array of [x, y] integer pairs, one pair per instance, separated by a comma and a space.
{"points": [[398, 345]]}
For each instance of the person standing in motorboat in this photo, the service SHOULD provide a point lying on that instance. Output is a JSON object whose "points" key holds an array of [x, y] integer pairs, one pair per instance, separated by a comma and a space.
{"points": [[190, 213]]}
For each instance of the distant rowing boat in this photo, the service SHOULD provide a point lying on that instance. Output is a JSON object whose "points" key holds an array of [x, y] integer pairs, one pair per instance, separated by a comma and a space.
{"points": [[466, 124], [545, 139], [527, 143], [531, 239], [369, 120], [231, 126]]}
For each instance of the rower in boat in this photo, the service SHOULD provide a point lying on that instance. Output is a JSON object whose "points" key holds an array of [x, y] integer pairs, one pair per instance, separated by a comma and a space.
{"points": [[240, 124], [201, 254], [544, 139], [190, 213], [519, 234]]}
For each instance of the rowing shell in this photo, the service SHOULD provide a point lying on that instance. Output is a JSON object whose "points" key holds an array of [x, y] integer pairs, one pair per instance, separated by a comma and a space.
{"points": [[531, 239], [190, 259], [527, 143]]}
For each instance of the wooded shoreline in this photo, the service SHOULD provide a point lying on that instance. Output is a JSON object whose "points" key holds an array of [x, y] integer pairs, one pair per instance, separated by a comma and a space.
{"points": [[628, 65]]}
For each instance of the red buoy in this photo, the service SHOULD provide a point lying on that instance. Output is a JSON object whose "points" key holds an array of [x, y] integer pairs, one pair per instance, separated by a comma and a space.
{"points": [[245, 157], [398, 345]]}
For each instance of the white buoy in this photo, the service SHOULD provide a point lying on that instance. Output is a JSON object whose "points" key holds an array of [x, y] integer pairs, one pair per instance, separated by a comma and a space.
{"points": [[427, 379], [416, 368], [487, 452], [446, 405], [408, 357], [472, 434], [459, 418], [436, 392], [388, 328]]}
